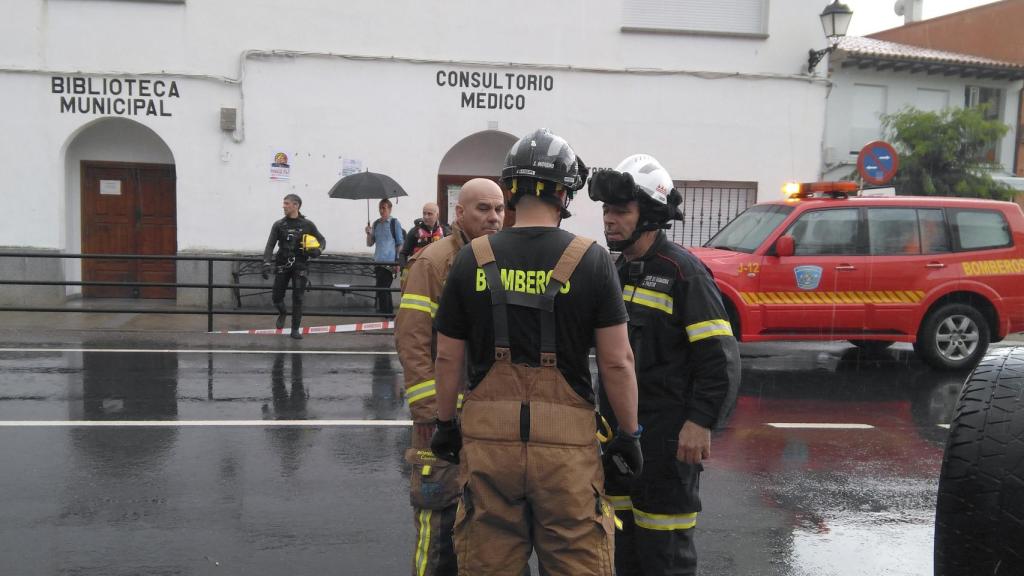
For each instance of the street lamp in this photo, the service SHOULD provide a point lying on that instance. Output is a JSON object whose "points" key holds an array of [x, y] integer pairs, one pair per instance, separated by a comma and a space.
{"points": [[835, 20]]}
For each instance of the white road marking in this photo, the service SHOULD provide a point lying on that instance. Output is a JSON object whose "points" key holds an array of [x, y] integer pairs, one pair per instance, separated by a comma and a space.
{"points": [[207, 351], [820, 425], [200, 423], [946, 426]]}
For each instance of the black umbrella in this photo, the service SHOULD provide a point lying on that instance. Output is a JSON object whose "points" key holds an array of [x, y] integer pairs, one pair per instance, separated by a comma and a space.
{"points": [[366, 185]]}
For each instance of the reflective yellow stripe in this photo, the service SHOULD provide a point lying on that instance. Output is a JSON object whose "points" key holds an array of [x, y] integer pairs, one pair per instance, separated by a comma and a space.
{"points": [[423, 546], [426, 470], [420, 391], [664, 521], [849, 297], [707, 329], [458, 401], [419, 302], [627, 292], [649, 298], [620, 503]]}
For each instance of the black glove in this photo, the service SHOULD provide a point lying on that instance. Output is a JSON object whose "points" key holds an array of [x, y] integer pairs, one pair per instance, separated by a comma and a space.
{"points": [[315, 253], [623, 457], [447, 441], [266, 270]]}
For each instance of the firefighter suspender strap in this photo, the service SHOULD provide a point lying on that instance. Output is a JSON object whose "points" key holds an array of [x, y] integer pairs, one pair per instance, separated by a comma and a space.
{"points": [[500, 298], [499, 307], [566, 265]]}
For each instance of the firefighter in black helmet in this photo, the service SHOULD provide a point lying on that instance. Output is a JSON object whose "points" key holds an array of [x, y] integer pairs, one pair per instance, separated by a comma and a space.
{"points": [[687, 367], [526, 305]]}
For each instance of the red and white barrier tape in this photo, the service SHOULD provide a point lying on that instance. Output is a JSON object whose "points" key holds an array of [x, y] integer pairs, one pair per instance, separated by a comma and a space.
{"points": [[336, 329]]}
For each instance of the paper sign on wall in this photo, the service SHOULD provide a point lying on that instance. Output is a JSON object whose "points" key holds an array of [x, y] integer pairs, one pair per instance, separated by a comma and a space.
{"points": [[280, 170], [350, 166], [110, 187]]}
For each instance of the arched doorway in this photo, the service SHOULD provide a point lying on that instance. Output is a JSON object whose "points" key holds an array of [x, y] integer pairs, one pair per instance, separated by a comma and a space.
{"points": [[121, 199], [479, 155]]}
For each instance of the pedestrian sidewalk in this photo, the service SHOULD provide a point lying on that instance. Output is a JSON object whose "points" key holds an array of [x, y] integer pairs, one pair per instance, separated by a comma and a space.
{"points": [[144, 328]]}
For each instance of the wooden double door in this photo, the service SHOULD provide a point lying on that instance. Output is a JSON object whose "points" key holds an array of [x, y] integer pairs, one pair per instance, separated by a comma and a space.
{"points": [[128, 209]]}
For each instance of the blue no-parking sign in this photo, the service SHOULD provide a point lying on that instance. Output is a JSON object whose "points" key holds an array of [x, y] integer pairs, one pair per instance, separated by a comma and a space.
{"points": [[877, 162]]}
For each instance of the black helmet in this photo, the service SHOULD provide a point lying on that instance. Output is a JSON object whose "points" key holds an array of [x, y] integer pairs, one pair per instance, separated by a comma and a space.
{"points": [[542, 155]]}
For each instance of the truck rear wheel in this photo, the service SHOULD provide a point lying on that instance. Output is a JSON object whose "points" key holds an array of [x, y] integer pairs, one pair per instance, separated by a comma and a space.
{"points": [[979, 517], [952, 337]]}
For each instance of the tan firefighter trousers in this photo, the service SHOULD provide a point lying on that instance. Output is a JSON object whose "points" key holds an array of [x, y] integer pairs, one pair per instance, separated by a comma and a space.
{"points": [[531, 471]]}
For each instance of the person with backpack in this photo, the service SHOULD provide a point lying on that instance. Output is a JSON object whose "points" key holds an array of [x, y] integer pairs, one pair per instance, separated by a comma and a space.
{"points": [[387, 235]]}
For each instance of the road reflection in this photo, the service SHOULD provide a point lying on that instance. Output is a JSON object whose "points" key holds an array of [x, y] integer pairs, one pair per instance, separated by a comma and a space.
{"points": [[846, 445]]}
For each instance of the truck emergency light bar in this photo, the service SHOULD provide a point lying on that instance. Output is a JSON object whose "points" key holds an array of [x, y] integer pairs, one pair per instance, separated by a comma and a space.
{"points": [[838, 189]]}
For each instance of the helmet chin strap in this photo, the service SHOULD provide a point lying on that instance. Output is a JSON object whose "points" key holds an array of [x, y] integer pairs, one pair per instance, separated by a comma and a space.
{"points": [[646, 226]]}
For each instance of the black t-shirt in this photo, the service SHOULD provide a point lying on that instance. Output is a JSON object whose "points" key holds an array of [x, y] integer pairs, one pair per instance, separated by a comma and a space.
{"points": [[592, 299]]}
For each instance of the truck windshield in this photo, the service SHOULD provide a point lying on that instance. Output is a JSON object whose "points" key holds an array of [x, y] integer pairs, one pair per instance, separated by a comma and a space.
{"points": [[748, 230]]}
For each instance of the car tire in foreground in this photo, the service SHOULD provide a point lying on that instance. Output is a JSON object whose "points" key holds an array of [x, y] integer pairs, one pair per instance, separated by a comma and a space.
{"points": [[979, 518], [953, 336]]}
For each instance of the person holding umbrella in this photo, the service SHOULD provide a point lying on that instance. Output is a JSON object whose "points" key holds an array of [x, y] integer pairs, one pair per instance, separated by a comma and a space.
{"points": [[387, 235], [297, 240]]}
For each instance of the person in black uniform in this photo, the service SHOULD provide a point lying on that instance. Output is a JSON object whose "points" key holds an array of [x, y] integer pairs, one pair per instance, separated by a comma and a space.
{"points": [[525, 306], [297, 240], [687, 367]]}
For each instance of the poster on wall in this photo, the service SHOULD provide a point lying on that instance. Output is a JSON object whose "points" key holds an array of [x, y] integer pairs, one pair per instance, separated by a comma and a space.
{"points": [[280, 170], [350, 166], [453, 191]]}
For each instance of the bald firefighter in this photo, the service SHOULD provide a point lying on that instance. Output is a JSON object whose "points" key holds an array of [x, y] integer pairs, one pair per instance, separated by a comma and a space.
{"points": [[525, 306], [687, 367], [434, 488]]}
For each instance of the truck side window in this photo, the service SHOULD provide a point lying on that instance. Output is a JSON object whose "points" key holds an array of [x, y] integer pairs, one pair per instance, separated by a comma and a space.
{"points": [[934, 238], [819, 232], [980, 229], [893, 231]]}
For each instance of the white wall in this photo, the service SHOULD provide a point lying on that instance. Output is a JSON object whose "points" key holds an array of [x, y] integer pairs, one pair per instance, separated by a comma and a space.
{"points": [[208, 37], [715, 108], [848, 114]]}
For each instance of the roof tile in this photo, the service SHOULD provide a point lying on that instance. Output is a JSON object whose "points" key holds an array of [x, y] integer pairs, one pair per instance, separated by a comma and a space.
{"points": [[860, 46]]}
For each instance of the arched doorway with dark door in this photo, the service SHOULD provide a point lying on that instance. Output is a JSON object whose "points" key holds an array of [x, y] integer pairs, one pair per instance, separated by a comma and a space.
{"points": [[479, 155], [121, 199]]}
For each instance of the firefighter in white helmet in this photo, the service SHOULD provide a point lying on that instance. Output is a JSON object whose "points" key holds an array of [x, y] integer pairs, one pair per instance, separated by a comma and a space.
{"points": [[687, 368]]}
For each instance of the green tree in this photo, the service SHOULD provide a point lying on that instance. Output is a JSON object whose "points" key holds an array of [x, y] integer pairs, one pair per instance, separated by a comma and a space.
{"points": [[942, 153]]}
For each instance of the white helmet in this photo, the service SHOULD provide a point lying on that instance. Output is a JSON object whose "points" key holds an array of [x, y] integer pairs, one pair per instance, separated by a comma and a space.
{"points": [[649, 176]]}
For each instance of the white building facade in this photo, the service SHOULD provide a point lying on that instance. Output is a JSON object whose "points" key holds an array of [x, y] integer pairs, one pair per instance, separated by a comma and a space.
{"points": [[157, 125]]}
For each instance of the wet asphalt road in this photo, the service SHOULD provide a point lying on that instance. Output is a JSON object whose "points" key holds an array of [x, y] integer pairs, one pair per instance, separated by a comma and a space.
{"points": [[190, 494]]}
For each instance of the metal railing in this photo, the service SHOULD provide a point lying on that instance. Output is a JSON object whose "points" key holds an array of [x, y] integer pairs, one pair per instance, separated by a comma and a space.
{"points": [[209, 285]]}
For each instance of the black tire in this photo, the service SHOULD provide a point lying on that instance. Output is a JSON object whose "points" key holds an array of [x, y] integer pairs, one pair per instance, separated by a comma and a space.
{"points": [[979, 518], [734, 317], [871, 346], [952, 337]]}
